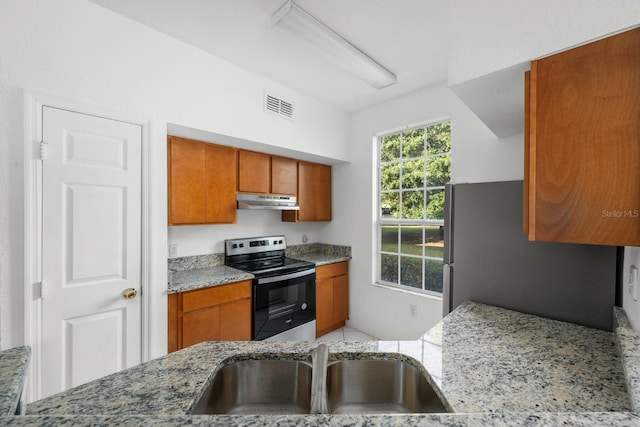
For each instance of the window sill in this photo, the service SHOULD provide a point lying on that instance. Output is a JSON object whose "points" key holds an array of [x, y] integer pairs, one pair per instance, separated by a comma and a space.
{"points": [[408, 291]]}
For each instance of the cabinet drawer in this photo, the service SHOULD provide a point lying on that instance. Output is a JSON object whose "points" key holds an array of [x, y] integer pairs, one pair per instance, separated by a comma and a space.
{"points": [[331, 270], [201, 298]]}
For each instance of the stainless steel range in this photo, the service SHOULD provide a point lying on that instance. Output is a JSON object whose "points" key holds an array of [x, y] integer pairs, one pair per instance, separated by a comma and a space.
{"points": [[284, 289]]}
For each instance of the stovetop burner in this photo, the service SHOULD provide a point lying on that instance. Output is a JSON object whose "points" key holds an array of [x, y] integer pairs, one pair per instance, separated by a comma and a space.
{"points": [[262, 256]]}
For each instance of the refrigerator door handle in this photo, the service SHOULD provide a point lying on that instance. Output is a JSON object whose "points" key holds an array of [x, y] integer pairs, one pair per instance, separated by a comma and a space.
{"points": [[447, 276]]}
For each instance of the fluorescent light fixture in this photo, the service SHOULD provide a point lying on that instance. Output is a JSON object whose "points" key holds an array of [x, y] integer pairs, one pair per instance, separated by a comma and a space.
{"points": [[334, 45]]}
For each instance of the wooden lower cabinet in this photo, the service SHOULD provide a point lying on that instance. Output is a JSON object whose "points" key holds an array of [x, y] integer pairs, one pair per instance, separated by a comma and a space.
{"points": [[218, 313], [332, 297]]}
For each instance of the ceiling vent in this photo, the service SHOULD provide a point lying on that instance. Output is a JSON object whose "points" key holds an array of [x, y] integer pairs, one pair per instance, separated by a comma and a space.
{"points": [[278, 106]]}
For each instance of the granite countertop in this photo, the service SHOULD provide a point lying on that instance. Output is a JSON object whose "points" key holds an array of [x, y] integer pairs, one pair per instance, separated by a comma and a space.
{"points": [[319, 253], [491, 366], [13, 370], [189, 280], [203, 271]]}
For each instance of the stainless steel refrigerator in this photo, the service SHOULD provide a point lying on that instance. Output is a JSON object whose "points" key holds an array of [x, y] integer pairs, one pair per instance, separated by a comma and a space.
{"points": [[488, 259]]}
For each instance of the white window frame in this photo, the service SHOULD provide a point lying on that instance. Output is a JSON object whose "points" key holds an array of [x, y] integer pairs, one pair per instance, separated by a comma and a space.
{"points": [[400, 222]]}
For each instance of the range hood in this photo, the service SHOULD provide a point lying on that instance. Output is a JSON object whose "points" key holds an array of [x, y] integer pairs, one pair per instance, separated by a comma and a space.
{"points": [[267, 201]]}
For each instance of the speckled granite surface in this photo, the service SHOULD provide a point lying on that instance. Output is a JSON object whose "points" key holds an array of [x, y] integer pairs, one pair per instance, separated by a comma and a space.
{"points": [[201, 271], [196, 262], [189, 280], [628, 341], [319, 253], [13, 370], [493, 367], [507, 419], [500, 360]]}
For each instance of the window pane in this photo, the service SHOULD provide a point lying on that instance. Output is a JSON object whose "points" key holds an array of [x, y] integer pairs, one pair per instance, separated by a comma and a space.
{"points": [[390, 148], [411, 239], [435, 204], [390, 205], [413, 174], [389, 238], [390, 176], [413, 204], [434, 241], [413, 143], [413, 168], [411, 272], [439, 138], [389, 268], [438, 170], [433, 275]]}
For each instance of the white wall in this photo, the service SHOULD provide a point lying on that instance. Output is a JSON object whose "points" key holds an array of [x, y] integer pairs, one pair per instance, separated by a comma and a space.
{"points": [[477, 156], [491, 35], [78, 51], [207, 239]]}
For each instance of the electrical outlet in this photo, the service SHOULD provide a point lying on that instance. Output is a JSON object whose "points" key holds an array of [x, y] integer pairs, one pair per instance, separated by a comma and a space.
{"points": [[173, 250], [305, 238], [633, 282], [413, 310]]}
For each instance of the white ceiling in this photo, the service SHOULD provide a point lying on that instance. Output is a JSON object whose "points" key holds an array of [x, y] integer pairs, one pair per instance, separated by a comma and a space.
{"points": [[408, 37]]}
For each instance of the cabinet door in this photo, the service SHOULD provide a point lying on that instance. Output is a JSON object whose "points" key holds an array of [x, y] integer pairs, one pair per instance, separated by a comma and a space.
{"points": [[235, 321], [324, 305], [284, 176], [186, 170], [220, 184], [585, 144], [314, 192], [202, 182], [340, 299], [200, 325], [254, 172]]}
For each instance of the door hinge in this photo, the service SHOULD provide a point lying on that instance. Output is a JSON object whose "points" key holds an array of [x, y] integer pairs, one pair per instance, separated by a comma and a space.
{"points": [[44, 148], [40, 289]]}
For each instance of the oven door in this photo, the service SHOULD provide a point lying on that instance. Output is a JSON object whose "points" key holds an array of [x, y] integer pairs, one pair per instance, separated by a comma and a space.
{"points": [[283, 302]]}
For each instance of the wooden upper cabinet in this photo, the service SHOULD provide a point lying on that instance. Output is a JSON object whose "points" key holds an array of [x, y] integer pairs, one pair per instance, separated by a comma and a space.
{"points": [[186, 176], [583, 142], [284, 176], [201, 182], [314, 193], [254, 170], [263, 173]]}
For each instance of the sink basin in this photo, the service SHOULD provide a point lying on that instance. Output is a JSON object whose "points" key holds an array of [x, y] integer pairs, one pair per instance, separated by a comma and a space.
{"points": [[379, 386], [258, 387]]}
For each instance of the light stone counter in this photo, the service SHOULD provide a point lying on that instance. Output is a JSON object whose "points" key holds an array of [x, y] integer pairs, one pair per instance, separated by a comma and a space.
{"points": [[13, 370], [492, 366], [203, 271]]}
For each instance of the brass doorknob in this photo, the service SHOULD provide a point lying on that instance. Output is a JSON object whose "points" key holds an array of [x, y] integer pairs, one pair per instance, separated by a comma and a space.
{"points": [[129, 293]]}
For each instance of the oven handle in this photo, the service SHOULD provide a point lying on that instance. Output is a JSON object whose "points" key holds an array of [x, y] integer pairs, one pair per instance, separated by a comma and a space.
{"points": [[286, 276]]}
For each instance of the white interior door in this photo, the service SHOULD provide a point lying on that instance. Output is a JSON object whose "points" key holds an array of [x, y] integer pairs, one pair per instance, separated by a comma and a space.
{"points": [[91, 248]]}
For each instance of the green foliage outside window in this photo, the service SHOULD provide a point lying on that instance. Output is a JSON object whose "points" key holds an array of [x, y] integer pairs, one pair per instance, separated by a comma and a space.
{"points": [[412, 163], [414, 167]]}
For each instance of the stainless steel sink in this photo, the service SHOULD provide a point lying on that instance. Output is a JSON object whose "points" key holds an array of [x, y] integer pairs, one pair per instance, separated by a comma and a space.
{"points": [[258, 387], [273, 386], [379, 386]]}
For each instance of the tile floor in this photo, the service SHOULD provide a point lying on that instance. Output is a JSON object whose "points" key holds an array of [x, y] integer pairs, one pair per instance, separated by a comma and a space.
{"points": [[346, 334]]}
